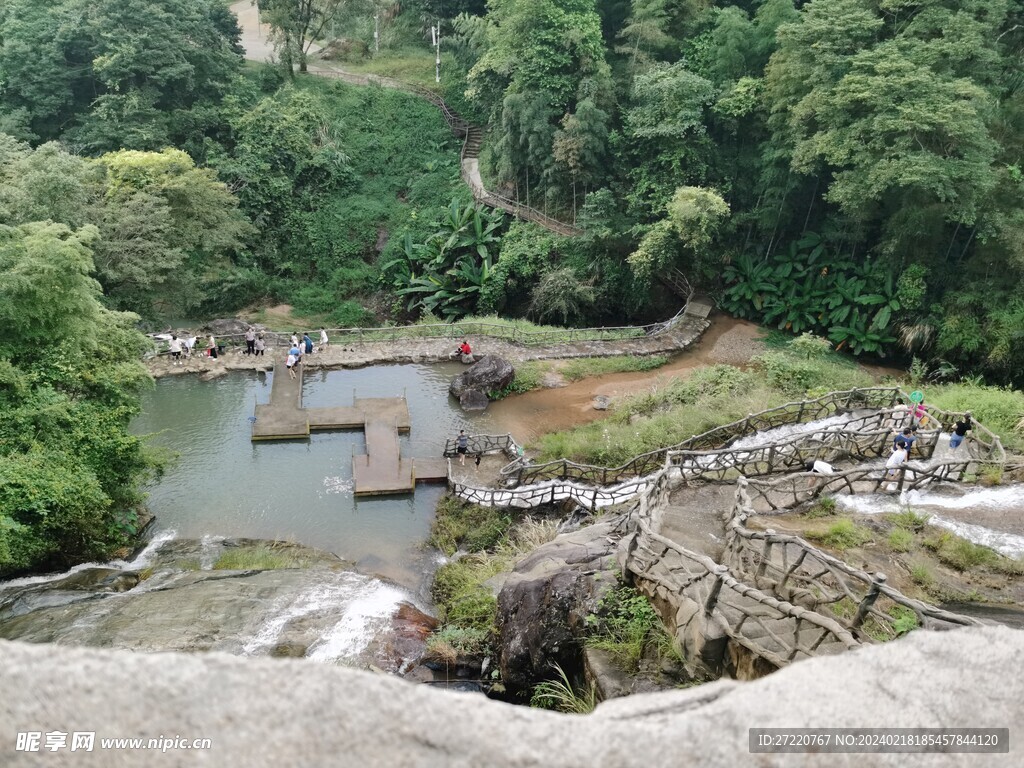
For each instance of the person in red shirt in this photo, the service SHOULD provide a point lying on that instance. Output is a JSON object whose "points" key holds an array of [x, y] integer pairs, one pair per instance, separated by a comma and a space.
{"points": [[464, 348]]}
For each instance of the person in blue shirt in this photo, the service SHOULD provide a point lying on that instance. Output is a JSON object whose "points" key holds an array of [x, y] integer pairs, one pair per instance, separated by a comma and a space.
{"points": [[907, 437], [308, 342]]}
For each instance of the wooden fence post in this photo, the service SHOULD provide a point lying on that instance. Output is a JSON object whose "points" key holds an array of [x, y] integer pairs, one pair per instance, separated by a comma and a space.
{"points": [[868, 601], [716, 588], [766, 553]]}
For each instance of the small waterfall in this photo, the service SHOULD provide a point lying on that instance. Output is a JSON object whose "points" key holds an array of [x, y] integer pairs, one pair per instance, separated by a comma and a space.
{"points": [[365, 605], [361, 620], [143, 559], [1007, 497], [779, 434]]}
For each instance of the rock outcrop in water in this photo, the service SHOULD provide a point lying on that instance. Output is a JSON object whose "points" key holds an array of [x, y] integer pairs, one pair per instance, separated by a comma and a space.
{"points": [[489, 374]]}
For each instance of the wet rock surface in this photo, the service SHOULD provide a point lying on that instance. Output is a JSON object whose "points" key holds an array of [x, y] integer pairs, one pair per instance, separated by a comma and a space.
{"points": [[240, 596]]}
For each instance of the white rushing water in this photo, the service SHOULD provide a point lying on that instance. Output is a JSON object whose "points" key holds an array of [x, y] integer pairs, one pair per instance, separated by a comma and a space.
{"points": [[351, 607], [780, 434], [1009, 544], [143, 559]]}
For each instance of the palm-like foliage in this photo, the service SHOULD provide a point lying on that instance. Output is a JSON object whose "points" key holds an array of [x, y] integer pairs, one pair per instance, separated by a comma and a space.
{"points": [[444, 274], [804, 288]]}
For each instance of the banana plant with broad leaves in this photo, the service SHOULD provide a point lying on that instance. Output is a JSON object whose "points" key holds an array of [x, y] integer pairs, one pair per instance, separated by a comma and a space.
{"points": [[445, 273]]}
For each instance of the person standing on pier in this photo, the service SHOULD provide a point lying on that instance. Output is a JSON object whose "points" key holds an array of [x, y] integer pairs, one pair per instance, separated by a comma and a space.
{"points": [[213, 347], [308, 342], [259, 345], [324, 341], [290, 362], [462, 446], [250, 341]]}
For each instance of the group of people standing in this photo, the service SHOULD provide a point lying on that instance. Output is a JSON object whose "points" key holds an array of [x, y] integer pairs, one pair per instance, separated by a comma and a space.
{"points": [[303, 345]]}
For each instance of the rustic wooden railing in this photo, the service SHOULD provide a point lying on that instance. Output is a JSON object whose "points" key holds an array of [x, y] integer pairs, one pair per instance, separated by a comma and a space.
{"points": [[714, 439], [718, 602], [794, 570], [777, 495]]}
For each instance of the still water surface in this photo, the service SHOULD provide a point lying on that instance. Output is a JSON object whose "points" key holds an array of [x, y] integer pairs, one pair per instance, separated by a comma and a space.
{"points": [[222, 484]]}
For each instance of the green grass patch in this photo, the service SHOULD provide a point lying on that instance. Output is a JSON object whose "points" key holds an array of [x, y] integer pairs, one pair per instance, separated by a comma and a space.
{"points": [[677, 410], [842, 535], [529, 376], [560, 695], [459, 589], [922, 575], [825, 506], [900, 540], [583, 368], [458, 524], [1001, 410], [908, 520], [959, 553], [260, 557], [452, 641]]}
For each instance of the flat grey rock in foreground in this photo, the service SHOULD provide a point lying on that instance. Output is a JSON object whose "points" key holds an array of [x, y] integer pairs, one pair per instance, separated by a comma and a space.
{"points": [[297, 713]]}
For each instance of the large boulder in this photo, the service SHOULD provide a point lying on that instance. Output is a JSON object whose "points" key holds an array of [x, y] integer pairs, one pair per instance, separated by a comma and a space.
{"points": [[544, 603], [487, 374], [473, 400]]}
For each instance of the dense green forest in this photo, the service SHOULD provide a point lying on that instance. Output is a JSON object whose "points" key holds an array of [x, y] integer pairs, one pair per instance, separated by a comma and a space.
{"points": [[847, 167]]}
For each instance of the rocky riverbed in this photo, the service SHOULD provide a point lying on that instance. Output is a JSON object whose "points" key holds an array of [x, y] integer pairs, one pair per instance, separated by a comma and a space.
{"points": [[241, 596]]}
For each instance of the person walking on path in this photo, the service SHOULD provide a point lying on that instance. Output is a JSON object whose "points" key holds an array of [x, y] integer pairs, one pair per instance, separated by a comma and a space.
{"points": [[919, 416], [960, 430], [308, 342], [899, 415], [290, 363], [259, 345], [907, 437], [213, 347], [896, 460], [324, 341], [175, 346], [250, 341], [295, 351], [462, 446]]}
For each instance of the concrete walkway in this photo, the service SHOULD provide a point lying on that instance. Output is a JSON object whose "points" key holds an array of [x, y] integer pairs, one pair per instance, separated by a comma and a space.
{"points": [[686, 332]]}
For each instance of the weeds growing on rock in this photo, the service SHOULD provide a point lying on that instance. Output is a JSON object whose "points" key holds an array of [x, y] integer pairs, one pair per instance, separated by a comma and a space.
{"points": [[261, 557], [825, 506], [909, 520], [900, 540], [625, 625], [560, 695], [922, 575], [582, 368], [842, 535]]}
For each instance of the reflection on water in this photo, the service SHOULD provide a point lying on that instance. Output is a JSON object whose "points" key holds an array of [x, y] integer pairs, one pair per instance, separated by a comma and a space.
{"points": [[223, 484]]}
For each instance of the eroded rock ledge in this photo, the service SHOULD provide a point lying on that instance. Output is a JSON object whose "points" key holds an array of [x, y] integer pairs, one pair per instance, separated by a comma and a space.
{"points": [[285, 712]]}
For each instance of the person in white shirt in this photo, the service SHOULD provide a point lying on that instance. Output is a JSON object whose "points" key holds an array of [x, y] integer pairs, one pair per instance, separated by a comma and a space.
{"points": [[213, 347], [175, 346], [290, 364], [324, 341], [190, 344]]}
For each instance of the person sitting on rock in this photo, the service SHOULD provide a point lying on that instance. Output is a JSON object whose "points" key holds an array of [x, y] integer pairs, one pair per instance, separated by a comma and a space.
{"points": [[464, 352]]}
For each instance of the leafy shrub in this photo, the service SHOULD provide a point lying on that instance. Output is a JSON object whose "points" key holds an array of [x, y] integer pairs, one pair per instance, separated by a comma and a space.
{"points": [[461, 597], [624, 625], [452, 641], [904, 620]]}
